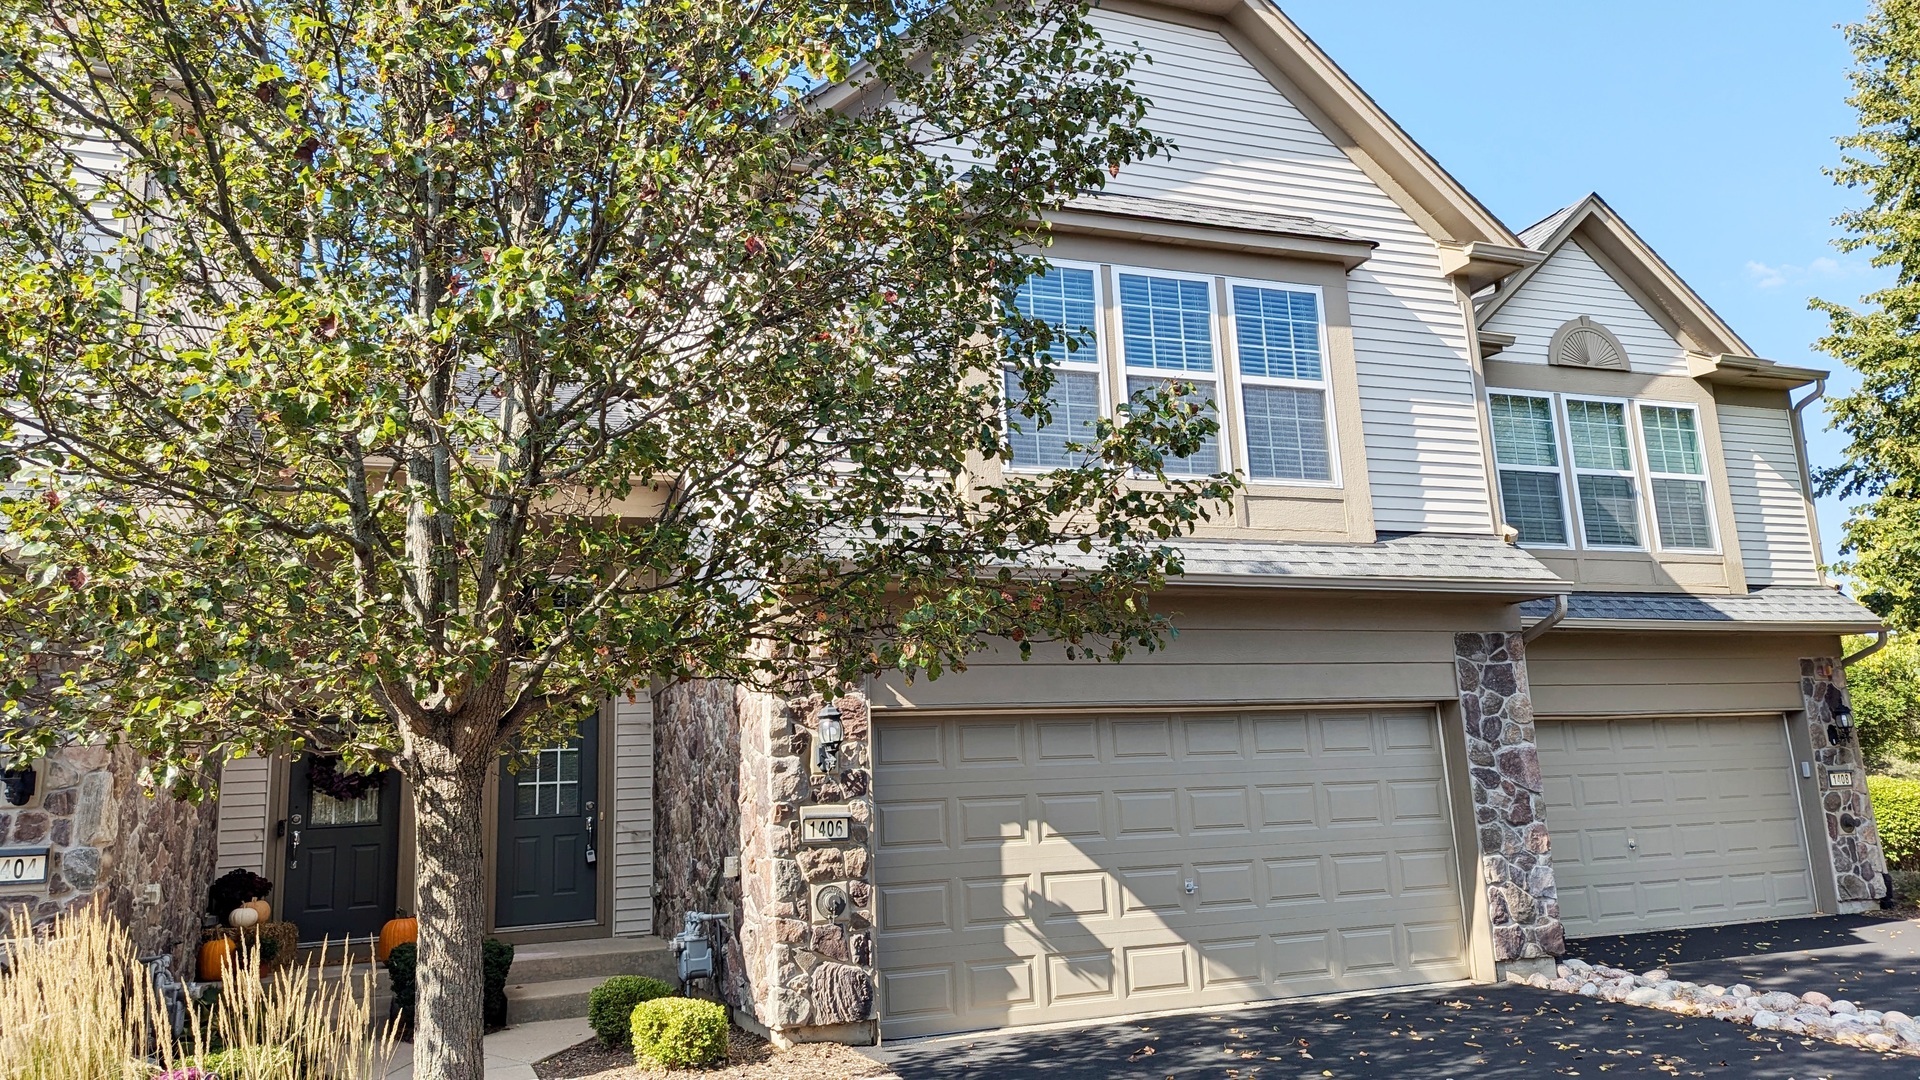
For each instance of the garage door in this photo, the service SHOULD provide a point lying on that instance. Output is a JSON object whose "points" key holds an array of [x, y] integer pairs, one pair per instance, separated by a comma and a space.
{"points": [[1673, 822], [1040, 870]]}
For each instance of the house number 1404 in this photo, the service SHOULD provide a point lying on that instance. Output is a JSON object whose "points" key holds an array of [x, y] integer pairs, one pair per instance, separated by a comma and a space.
{"points": [[23, 867]]}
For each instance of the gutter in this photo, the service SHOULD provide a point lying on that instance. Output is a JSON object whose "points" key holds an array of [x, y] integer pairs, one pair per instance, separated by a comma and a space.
{"points": [[1879, 643], [1806, 474], [1555, 618]]}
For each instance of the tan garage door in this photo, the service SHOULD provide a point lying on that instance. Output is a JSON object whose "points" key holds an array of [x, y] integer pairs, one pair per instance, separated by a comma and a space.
{"points": [[1673, 822], [1040, 870]]}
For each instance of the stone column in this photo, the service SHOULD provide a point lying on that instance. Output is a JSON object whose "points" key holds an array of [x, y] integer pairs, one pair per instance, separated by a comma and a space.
{"points": [[1858, 861], [1503, 758], [810, 974], [109, 837]]}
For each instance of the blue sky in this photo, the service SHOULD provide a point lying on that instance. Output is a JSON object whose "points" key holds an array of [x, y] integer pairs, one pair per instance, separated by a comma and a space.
{"points": [[1705, 123]]}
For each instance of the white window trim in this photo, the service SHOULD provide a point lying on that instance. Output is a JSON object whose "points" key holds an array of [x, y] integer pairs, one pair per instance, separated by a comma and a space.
{"points": [[1633, 471], [1568, 524], [1121, 371], [1234, 372], [1704, 477], [1091, 359]]}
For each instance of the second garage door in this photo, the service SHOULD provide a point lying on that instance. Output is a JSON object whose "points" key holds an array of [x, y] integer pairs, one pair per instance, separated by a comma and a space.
{"points": [[1685, 821], [1040, 870]]}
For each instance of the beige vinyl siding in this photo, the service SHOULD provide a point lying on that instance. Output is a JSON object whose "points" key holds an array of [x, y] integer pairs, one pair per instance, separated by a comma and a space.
{"points": [[243, 815], [1238, 648], [1572, 284], [633, 815], [1769, 504], [1242, 144], [1631, 673]]}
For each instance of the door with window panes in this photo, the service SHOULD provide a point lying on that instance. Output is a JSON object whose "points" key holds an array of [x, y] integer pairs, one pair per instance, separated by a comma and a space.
{"points": [[549, 817]]}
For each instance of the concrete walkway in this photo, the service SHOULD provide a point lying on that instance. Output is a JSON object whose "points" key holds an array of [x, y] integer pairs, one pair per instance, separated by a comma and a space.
{"points": [[1873, 962], [510, 1053]]}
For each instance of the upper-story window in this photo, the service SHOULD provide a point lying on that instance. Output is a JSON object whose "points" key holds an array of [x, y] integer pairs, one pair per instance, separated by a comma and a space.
{"points": [[1261, 353], [1623, 462]]}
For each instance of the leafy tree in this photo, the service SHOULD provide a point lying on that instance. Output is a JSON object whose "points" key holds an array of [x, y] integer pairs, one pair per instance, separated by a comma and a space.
{"points": [[399, 379], [1885, 691], [1882, 417]]}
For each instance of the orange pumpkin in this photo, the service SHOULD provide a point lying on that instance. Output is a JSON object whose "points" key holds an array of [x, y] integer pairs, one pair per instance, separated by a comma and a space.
{"points": [[265, 909], [396, 933], [213, 956]]}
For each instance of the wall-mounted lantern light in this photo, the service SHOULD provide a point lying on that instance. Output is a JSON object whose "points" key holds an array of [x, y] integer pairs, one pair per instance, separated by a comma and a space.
{"points": [[17, 785], [1842, 727], [832, 733]]}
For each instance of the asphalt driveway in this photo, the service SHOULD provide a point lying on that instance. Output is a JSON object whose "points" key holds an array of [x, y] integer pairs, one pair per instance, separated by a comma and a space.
{"points": [[1483, 1033], [1873, 962]]}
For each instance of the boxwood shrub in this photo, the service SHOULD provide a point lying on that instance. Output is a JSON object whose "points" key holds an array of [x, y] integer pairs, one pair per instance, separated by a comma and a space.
{"points": [[610, 1007], [1896, 812], [679, 1033]]}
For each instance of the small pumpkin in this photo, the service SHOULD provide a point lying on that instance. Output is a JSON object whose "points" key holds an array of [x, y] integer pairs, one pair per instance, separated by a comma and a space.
{"points": [[243, 918], [265, 909], [213, 955], [396, 933]]}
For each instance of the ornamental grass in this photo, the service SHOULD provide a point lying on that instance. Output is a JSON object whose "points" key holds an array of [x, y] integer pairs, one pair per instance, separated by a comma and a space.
{"points": [[77, 1004]]}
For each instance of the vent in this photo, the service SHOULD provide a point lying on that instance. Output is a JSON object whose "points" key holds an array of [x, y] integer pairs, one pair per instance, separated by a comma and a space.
{"points": [[1584, 343]]}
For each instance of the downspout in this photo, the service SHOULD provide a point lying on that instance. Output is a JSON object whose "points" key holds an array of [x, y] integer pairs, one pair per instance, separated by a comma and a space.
{"points": [[1878, 644], [1553, 619], [1806, 475]]}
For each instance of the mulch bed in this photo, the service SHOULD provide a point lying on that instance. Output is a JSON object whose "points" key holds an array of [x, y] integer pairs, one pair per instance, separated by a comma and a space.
{"points": [[749, 1058]]}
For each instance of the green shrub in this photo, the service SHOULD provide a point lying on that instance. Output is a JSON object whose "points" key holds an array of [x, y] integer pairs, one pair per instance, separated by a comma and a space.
{"points": [[1906, 888], [679, 1033], [1896, 812], [496, 960], [250, 1063], [610, 1007]]}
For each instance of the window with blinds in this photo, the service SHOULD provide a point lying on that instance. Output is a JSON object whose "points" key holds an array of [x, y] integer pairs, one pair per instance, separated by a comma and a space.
{"points": [[1677, 475], [1253, 351], [1526, 450], [1602, 453]]}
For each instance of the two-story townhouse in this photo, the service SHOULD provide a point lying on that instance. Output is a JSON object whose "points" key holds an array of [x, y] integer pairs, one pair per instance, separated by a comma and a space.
{"points": [[1518, 632]]}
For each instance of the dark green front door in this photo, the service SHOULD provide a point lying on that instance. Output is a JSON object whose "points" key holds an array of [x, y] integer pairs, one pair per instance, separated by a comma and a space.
{"points": [[343, 857], [548, 872]]}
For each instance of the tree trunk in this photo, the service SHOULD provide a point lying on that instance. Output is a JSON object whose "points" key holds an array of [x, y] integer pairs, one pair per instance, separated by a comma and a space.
{"points": [[448, 1017]]}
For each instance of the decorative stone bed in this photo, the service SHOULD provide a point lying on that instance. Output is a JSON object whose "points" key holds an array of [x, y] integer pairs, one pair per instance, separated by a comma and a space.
{"points": [[1815, 1015]]}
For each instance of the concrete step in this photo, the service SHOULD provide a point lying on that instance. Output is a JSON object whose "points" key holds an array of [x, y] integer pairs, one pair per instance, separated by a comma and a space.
{"points": [[559, 999], [602, 958]]}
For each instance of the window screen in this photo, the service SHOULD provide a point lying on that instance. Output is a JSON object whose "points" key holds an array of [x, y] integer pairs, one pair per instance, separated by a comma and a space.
{"points": [[1679, 480], [1532, 495], [1064, 298], [1283, 393], [1166, 324], [1603, 472]]}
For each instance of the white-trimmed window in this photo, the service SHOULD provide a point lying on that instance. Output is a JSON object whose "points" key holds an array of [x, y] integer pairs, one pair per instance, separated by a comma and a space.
{"points": [[1526, 448], [1066, 298], [1166, 336], [1263, 371], [1283, 382], [1593, 468], [1677, 476], [1603, 472]]}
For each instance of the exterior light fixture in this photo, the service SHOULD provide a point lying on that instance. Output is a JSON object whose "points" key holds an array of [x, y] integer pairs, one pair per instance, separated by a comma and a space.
{"points": [[1842, 727], [833, 732], [17, 785]]}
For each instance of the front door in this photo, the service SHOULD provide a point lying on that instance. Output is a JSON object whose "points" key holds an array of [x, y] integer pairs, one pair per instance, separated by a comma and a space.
{"points": [[547, 872], [342, 852]]}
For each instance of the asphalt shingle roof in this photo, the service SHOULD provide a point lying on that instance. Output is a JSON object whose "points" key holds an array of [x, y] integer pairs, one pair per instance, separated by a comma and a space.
{"points": [[1218, 217], [1541, 231], [1776, 606]]}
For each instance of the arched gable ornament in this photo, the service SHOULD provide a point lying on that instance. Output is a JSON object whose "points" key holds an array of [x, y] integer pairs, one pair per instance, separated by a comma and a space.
{"points": [[1584, 343]]}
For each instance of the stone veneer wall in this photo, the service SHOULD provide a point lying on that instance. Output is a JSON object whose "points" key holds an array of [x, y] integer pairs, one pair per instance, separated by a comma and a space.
{"points": [[1858, 861], [732, 776], [1503, 758], [110, 838]]}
